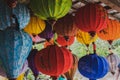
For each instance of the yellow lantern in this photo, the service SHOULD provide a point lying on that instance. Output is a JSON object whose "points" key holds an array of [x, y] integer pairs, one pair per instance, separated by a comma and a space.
{"points": [[35, 26], [85, 38]]}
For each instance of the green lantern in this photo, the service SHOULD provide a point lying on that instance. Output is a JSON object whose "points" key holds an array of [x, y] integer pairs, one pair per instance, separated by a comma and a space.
{"points": [[50, 9]]}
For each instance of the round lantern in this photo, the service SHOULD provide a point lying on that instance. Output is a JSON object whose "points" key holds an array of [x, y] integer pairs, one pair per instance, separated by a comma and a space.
{"points": [[47, 33], [113, 60], [17, 45], [11, 3], [85, 37], [32, 63], [53, 60], [91, 18], [111, 32], [70, 74], [50, 9], [93, 66], [65, 41], [65, 26], [35, 26], [20, 11]]}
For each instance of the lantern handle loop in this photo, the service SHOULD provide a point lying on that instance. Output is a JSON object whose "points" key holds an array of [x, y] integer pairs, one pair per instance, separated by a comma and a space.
{"points": [[94, 47]]}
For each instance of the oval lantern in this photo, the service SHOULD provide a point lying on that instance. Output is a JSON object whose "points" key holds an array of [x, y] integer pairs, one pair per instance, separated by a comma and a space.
{"points": [[47, 33], [20, 11], [85, 37], [70, 74], [35, 26], [93, 66], [11, 3], [65, 41], [17, 45], [113, 60], [53, 60], [50, 9], [111, 32], [65, 26], [91, 18], [31, 62]]}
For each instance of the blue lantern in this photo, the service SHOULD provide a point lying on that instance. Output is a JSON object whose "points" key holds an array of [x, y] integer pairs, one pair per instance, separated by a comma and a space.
{"points": [[15, 46], [93, 66], [21, 12]]}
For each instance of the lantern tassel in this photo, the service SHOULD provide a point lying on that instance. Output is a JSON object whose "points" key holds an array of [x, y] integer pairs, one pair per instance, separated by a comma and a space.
{"points": [[94, 47]]}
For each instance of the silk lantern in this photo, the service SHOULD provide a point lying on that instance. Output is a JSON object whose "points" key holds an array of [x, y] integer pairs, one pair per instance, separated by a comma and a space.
{"points": [[50, 9], [17, 45], [21, 12], [63, 41], [65, 26], [70, 74], [31, 62], [113, 60], [47, 33], [91, 18], [85, 37], [53, 60], [111, 32], [35, 26], [93, 66]]}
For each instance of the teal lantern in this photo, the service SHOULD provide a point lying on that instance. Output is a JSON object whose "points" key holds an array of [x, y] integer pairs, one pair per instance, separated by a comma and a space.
{"points": [[21, 12], [15, 46]]}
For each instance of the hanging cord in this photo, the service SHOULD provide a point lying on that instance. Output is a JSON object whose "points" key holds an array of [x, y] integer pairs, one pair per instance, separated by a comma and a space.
{"points": [[87, 49], [94, 47], [13, 19]]}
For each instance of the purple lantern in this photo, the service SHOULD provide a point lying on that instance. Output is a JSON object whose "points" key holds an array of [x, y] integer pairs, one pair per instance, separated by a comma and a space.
{"points": [[31, 62], [47, 33]]}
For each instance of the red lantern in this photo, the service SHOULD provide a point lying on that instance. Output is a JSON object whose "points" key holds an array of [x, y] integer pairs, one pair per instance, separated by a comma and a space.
{"points": [[65, 41], [53, 60], [91, 18]]}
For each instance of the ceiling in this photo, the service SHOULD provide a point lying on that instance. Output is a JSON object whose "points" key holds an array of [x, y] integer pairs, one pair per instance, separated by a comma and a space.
{"points": [[112, 6]]}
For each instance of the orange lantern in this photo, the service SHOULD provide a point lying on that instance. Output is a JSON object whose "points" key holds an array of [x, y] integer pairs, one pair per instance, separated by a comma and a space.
{"points": [[111, 32]]}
